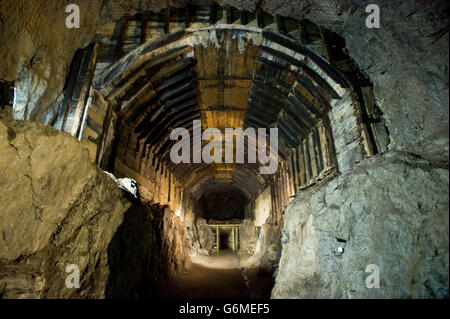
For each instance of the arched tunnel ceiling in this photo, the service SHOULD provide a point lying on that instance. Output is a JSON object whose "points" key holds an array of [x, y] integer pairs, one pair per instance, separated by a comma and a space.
{"points": [[226, 76]]}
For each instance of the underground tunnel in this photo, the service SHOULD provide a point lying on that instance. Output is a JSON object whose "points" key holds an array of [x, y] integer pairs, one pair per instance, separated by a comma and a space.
{"points": [[237, 150]]}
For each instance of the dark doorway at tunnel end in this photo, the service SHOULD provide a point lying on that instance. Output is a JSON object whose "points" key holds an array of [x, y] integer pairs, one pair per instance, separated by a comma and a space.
{"points": [[222, 203]]}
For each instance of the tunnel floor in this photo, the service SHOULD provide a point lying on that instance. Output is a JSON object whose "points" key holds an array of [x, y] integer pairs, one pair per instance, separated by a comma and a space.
{"points": [[219, 276]]}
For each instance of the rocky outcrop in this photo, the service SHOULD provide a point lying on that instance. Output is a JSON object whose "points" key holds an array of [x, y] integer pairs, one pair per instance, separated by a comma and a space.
{"points": [[5, 112], [148, 249], [391, 211], [268, 249], [202, 238], [248, 236], [58, 209]]}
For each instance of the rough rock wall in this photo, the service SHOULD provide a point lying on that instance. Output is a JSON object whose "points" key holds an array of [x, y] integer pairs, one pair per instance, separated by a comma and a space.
{"points": [[392, 211], [57, 208], [148, 248], [267, 251], [203, 237], [6, 113], [248, 236]]}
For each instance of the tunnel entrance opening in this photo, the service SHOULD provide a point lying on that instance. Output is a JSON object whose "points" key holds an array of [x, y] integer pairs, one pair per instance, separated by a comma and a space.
{"points": [[226, 236], [223, 207]]}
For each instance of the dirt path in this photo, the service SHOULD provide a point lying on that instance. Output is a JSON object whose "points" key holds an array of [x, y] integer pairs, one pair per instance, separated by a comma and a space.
{"points": [[219, 277]]}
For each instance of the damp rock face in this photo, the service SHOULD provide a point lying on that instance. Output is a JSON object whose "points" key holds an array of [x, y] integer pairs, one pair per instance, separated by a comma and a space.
{"points": [[248, 236], [203, 238], [267, 249], [149, 248], [391, 211], [57, 208]]}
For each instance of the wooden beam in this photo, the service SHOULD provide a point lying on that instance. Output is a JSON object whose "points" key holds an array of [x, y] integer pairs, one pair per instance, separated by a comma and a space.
{"points": [[217, 238], [284, 56], [213, 13], [304, 38], [167, 13], [326, 48], [280, 24], [187, 16], [81, 109], [114, 74], [168, 70], [330, 142], [71, 82], [307, 158], [324, 145], [313, 155], [294, 165], [288, 183], [229, 12], [282, 186], [121, 36], [168, 96], [145, 72], [323, 85], [189, 94], [302, 166], [144, 27], [171, 80], [96, 141], [272, 198], [244, 17], [260, 18], [161, 139], [317, 149], [324, 65], [279, 196], [97, 128]]}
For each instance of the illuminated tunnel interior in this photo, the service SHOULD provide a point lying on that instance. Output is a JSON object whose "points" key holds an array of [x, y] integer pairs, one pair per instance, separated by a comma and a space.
{"points": [[233, 150]]}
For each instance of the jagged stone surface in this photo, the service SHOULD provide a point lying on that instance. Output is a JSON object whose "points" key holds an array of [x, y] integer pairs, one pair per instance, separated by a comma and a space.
{"points": [[267, 250], [248, 236], [391, 210], [57, 208], [148, 249], [202, 238]]}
